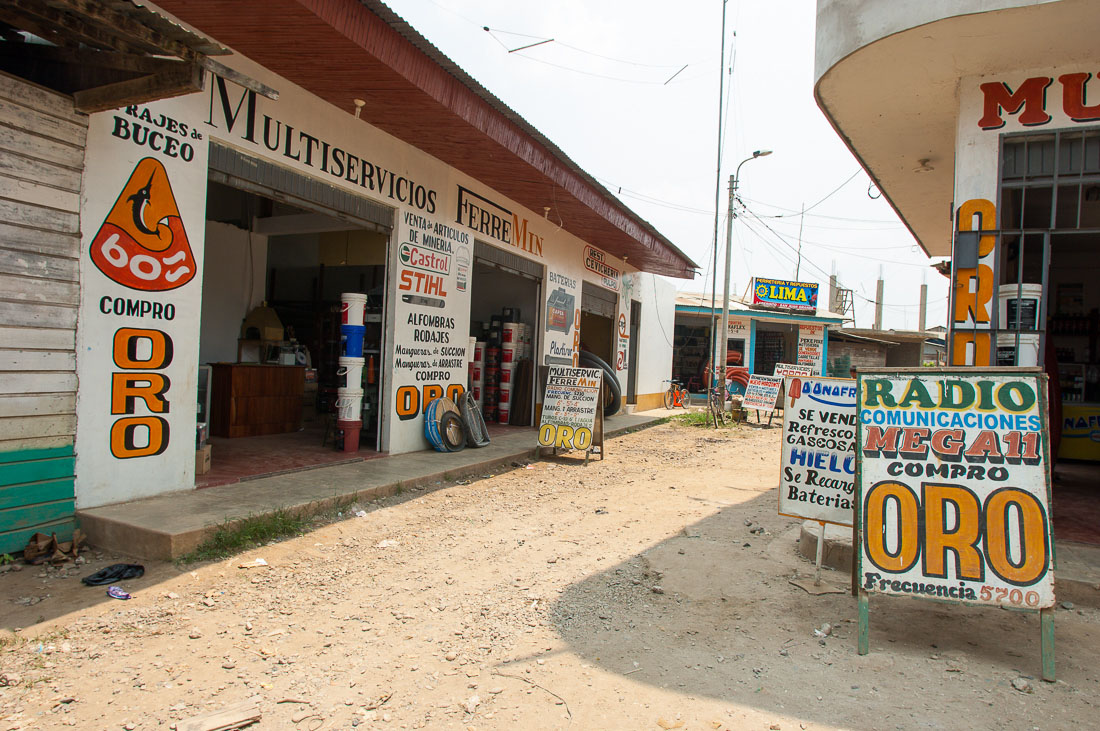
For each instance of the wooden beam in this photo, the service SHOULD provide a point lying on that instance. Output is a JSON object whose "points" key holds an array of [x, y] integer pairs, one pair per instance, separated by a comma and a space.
{"points": [[88, 57], [37, 26], [237, 77], [175, 82], [73, 27], [96, 14]]}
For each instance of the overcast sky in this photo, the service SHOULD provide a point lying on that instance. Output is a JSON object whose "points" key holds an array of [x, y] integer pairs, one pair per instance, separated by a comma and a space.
{"points": [[599, 92]]}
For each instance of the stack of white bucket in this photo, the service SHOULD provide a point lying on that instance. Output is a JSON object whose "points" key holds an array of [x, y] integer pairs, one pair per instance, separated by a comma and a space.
{"points": [[349, 391], [511, 351], [477, 370]]}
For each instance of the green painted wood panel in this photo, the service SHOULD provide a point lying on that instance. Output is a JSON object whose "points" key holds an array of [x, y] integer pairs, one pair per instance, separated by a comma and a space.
{"points": [[28, 516], [15, 496], [36, 494], [16, 540]]}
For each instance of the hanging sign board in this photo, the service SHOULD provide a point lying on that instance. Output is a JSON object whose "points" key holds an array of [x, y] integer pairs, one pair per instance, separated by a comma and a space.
{"points": [[811, 346], [762, 392], [789, 369], [569, 407], [954, 486], [817, 471], [785, 294]]}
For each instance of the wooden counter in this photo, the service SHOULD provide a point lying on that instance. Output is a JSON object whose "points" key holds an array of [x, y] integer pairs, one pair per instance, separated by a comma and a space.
{"points": [[251, 399]]}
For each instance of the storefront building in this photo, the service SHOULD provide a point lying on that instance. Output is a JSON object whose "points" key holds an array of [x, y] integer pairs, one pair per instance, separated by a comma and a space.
{"points": [[208, 238], [1000, 127], [758, 338]]}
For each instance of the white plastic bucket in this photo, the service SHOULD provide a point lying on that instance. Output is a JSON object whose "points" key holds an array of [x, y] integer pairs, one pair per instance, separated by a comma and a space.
{"points": [[506, 371], [1027, 355], [479, 351], [475, 373], [505, 394], [353, 306], [508, 354], [349, 403], [1022, 302], [510, 332], [503, 413], [350, 372]]}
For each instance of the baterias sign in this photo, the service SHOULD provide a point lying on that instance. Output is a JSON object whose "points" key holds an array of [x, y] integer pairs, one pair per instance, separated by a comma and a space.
{"points": [[785, 294], [953, 486]]}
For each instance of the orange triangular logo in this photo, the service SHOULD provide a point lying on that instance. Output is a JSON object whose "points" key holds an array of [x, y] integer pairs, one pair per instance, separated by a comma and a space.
{"points": [[142, 243]]}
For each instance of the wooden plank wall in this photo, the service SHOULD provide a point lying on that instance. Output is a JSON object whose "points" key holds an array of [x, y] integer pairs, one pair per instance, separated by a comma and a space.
{"points": [[41, 162]]}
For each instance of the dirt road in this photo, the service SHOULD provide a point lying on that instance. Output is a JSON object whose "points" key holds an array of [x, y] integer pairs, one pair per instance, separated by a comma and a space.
{"points": [[636, 593]]}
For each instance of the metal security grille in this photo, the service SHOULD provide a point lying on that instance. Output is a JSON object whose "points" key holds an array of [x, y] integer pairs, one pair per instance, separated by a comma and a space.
{"points": [[507, 261], [245, 172], [597, 300]]}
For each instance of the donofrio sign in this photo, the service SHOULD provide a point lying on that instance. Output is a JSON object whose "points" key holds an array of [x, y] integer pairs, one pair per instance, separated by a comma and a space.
{"points": [[953, 487]]}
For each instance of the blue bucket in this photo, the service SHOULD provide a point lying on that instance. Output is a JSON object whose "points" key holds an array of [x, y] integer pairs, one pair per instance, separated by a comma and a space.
{"points": [[351, 336]]}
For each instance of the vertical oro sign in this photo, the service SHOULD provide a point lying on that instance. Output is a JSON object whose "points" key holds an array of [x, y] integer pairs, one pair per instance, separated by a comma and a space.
{"points": [[953, 488], [143, 222]]}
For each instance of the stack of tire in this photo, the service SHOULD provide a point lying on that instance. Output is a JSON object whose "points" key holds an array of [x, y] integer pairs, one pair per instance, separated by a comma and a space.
{"points": [[451, 428]]}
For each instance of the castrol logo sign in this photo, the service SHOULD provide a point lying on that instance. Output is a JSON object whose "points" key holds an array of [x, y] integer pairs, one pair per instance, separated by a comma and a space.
{"points": [[142, 244]]}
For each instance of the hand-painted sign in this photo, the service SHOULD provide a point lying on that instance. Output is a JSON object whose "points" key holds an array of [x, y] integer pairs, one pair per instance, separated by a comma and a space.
{"points": [[785, 294], [595, 261], [432, 319], [817, 472], [144, 206], [761, 392], [493, 220], [739, 327], [569, 407], [789, 369], [953, 486], [811, 346]]}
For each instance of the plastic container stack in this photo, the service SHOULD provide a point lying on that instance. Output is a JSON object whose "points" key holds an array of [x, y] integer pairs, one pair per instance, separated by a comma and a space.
{"points": [[349, 395]]}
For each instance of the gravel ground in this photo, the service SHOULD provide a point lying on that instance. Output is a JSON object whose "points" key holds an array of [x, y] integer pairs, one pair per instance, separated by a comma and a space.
{"points": [[647, 591]]}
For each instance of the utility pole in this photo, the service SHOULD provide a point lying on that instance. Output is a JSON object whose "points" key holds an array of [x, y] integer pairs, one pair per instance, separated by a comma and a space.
{"points": [[713, 376], [879, 293]]}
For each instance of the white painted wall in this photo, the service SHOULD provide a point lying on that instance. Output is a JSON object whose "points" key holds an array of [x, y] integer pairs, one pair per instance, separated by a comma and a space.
{"points": [[227, 286], [658, 298], [845, 26]]}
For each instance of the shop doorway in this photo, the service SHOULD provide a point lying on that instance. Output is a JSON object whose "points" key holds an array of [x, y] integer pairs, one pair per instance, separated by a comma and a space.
{"points": [[1048, 306], [598, 309], [505, 318], [270, 345], [632, 359], [776, 342]]}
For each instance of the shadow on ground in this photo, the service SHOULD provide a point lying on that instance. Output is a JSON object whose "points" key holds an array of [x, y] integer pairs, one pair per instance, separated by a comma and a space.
{"points": [[728, 624]]}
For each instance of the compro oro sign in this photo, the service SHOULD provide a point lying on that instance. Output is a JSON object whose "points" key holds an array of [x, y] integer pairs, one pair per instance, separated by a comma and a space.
{"points": [[953, 486], [817, 474], [569, 407]]}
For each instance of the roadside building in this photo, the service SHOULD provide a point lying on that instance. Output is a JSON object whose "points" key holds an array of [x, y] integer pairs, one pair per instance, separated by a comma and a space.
{"points": [[986, 110], [758, 338], [853, 347], [189, 194]]}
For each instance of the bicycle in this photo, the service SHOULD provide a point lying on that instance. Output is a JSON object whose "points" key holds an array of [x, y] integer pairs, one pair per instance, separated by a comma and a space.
{"points": [[676, 395]]}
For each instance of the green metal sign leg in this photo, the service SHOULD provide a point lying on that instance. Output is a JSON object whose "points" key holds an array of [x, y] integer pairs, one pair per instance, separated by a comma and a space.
{"points": [[1046, 627], [864, 628]]}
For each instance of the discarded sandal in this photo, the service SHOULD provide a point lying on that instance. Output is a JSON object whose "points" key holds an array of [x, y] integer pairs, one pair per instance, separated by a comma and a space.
{"points": [[115, 572], [116, 592]]}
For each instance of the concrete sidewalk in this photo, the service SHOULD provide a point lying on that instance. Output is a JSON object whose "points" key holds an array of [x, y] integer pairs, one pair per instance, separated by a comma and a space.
{"points": [[168, 526]]}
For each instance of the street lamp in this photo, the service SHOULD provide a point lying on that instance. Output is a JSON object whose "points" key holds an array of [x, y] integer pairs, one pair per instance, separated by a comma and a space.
{"points": [[723, 332]]}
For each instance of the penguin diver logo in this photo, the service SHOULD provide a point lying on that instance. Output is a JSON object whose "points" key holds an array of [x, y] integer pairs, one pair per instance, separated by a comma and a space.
{"points": [[142, 243]]}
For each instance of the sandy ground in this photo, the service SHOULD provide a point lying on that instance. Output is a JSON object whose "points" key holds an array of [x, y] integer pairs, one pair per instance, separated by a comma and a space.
{"points": [[648, 591]]}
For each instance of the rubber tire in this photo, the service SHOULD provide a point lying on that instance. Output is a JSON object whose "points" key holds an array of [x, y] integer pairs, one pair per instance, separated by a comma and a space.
{"points": [[668, 399], [477, 435], [610, 379], [452, 431], [685, 401]]}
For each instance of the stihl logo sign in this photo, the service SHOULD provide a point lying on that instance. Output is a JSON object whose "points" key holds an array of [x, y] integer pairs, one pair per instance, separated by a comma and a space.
{"points": [[1029, 101]]}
